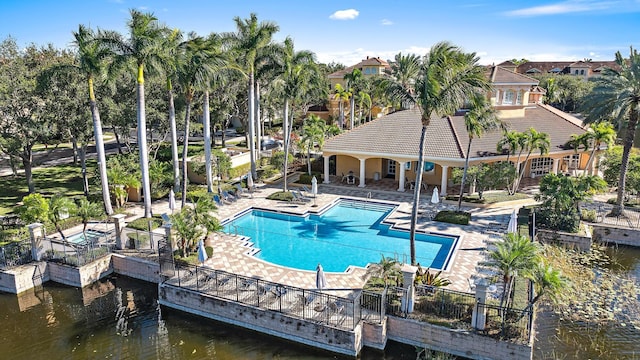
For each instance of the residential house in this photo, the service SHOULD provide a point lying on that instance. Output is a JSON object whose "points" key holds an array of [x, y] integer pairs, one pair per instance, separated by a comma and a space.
{"points": [[388, 146], [586, 69]]}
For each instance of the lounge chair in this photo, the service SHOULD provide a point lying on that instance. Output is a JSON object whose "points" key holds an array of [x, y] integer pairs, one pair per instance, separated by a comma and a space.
{"points": [[217, 200], [166, 218], [306, 189], [228, 197], [351, 180], [297, 197], [239, 190], [301, 195]]}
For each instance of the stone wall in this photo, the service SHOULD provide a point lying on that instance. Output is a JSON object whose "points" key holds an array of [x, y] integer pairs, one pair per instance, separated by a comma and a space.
{"points": [[580, 242], [82, 276], [136, 268], [265, 321], [459, 343], [616, 235], [374, 335], [24, 277]]}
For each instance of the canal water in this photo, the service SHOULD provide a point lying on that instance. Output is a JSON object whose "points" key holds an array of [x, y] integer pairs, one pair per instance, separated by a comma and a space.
{"points": [[119, 318]]}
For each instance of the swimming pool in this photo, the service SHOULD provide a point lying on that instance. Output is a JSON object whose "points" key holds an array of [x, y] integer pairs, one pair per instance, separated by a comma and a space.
{"points": [[92, 235], [350, 233]]}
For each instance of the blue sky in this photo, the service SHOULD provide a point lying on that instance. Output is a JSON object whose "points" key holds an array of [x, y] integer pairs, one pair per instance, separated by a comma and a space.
{"points": [[348, 31]]}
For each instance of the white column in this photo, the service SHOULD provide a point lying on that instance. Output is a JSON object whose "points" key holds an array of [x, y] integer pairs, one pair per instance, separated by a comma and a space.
{"points": [[362, 162], [444, 180], [401, 181], [326, 169], [556, 163]]}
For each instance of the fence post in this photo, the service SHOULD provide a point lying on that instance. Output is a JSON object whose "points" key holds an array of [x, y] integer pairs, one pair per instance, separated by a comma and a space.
{"points": [[118, 222], [36, 234], [479, 316], [408, 275], [167, 232]]}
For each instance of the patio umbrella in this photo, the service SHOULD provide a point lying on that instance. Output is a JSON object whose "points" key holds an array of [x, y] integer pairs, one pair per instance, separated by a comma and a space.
{"points": [[314, 189], [435, 198], [202, 253], [513, 223], [321, 280], [172, 200]]}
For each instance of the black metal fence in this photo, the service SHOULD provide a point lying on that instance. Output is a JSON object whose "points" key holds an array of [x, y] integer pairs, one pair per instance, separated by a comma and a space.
{"points": [[15, 254], [629, 218], [312, 305], [507, 323], [141, 240], [79, 253]]}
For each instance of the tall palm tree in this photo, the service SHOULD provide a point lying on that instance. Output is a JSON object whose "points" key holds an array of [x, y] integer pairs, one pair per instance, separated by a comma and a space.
{"points": [[597, 135], [250, 40], [341, 94], [404, 69], [144, 49], [173, 42], [447, 78], [510, 143], [480, 118], [364, 102], [617, 95], [194, 71], [351, 85], [531, 141], [313, 132], [92, 56], [293, 81]]}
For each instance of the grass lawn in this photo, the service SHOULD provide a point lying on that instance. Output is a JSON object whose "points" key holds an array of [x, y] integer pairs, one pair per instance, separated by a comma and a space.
{"points": [[65, 179]]}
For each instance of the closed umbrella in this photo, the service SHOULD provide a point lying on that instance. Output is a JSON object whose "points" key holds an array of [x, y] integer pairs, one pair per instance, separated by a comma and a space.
{"points": [[321, 280], [513, 223], [250, 182], [314, 189], [435, 197], [202, 252], [172, 200]]}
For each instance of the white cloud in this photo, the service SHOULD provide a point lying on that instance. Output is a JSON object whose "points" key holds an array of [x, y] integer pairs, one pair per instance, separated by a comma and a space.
{"points": [[348, 14], [386, 22], [570, 6]]}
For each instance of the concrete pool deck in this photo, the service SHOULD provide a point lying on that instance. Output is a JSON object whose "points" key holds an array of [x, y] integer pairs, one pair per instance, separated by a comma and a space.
{"points": [[230, 254]]}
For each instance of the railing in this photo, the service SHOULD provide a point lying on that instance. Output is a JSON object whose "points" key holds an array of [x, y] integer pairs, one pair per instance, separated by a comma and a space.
{"points": [[15, 254], [141, 240], [443, 303], [507, 323], [372, 308], [630, 218], [78, 254], [312, 305]]}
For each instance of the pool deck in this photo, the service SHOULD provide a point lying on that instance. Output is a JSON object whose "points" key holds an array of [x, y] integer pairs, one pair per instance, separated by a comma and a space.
{"points": [[230, 253]]}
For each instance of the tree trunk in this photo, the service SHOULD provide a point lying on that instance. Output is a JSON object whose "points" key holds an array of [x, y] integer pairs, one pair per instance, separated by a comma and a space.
{"points": [[258, 123], [626, 151], [115, 133], [102, 159], [250, 122], [416, 196], [464, 174], [74, 147], [352, 113], [142, 146], [185, 146], [27, 162], [206, 129], [174, 143], [83, 165]]}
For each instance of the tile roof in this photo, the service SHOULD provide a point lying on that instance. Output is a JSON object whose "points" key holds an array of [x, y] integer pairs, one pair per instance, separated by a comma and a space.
{"points": [[398, 135], [369, 61], [499, 75], [563, 66]]}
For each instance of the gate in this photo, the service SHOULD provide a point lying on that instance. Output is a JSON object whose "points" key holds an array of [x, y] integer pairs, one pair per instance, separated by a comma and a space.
{"points": [[165, 257]]}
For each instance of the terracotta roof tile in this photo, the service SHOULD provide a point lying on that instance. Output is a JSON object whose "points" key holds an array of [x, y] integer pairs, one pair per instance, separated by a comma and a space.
{"points": [[499, 75]]}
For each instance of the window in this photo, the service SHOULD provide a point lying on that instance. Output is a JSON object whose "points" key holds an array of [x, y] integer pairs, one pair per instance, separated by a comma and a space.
{"points": [[572, 161], [576, 72], [519, 97], [541, 166], [508, 98], [407, 165], [427, 167], [581, 72]]}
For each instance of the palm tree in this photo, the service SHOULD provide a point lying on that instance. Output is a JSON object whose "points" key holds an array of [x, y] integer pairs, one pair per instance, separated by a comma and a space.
{"points": [[313, 132], [173, 42], [597, 135], [617, 95], [404, 69], [351, 83], [86, 211], [194, 71], [144, 48], [510, 143], [186, 230], [60, 207], [200, 214], [480, 118], [446, 79], [364, 101], [516, 254], [532, 140], [92, 56], [251, 39], [293, 81], [341, 94], [547, 281]]}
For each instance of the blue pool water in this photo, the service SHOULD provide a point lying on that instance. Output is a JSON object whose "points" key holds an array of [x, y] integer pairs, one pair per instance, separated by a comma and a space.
{"points": [[79, 238], [349, 233]]}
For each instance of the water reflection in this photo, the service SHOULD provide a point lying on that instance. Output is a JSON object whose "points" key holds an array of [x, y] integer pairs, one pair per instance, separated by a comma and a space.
{"points": [[120, 318]]}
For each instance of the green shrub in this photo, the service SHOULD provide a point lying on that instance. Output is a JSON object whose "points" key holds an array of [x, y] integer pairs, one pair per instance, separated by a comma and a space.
{"points": [[196, 193], [143, 223], [306, 178], [589, 215], [281, 195], [453, 217], [268, 172], [239, 171], [560, 221]]}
